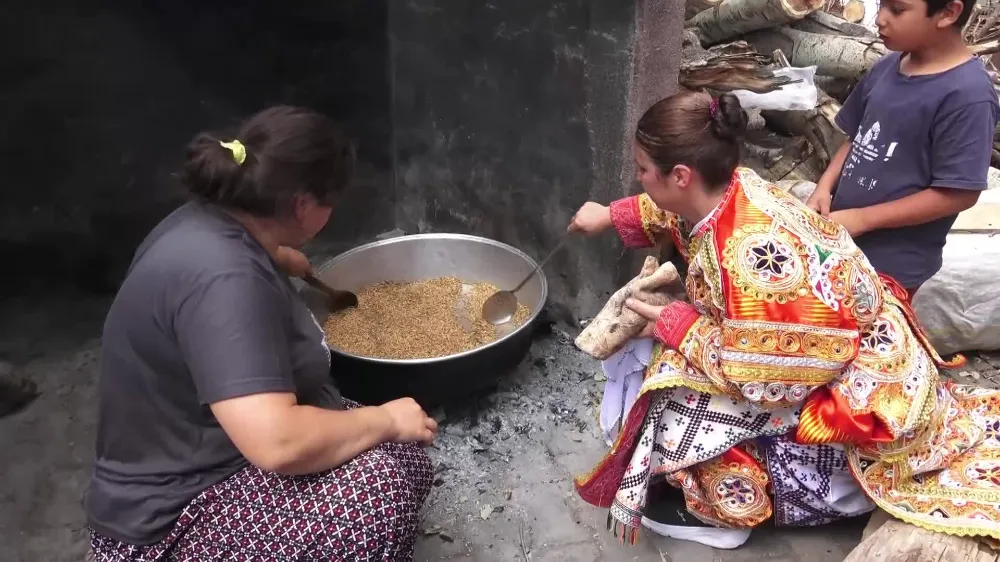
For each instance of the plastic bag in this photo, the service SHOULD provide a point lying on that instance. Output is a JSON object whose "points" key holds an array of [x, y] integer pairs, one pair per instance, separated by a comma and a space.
{"points": [[798, 96], [960, 305]]}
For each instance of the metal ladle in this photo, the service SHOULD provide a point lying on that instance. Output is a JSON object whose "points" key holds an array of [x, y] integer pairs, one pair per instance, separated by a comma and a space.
{"points": [[336, 299], [502, 305]]}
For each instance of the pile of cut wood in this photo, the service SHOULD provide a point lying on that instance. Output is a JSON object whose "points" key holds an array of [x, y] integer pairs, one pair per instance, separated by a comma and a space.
{"points": [[738, 44], [983, 34]]}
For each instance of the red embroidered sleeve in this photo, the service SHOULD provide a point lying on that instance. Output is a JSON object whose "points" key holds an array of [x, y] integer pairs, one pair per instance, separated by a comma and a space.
{"points": [[674, 323], [627, 218]]}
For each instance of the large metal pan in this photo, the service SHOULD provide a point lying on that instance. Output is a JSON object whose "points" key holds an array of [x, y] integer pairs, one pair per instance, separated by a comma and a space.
{"points": [[423, 256]]}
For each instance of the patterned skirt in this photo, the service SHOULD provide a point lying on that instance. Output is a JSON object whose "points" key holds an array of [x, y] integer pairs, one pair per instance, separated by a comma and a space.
{"points": [[365, 510], [739, 465], [736, 467]]}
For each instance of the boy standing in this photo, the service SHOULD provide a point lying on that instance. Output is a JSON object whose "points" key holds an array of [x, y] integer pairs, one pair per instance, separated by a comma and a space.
{"points": [[922, 123]]}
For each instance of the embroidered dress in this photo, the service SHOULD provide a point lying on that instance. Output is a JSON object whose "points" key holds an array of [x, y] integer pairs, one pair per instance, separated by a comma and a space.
{"points": [[791, 353]]}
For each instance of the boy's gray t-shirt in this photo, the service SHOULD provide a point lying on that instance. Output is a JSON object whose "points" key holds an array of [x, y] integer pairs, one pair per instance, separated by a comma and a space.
{"points": [[203, 315], [910, 133]]}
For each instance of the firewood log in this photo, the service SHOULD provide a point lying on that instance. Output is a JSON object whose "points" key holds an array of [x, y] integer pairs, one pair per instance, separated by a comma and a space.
{"points": [[833, 55], [896, 541], [615, 324], [853, 11], [799, 162], [809, 169], [733, 18], [727, 67], [837, 88], [755, 121], [828, 24], [764, 155], [694, 7], [982, 23], [816, 125], [986, 47]]}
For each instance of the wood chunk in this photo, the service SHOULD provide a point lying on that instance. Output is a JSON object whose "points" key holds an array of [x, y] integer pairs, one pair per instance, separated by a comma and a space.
{"points": [[694, 7], [854, 11], [986, 47], [723, 68], [833, 55], [827, 24], [733, 18], [896, 541], [837, 88]]}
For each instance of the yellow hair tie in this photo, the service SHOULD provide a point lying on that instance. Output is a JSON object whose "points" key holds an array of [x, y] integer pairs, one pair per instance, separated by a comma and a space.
{"points": [[239, 151]]}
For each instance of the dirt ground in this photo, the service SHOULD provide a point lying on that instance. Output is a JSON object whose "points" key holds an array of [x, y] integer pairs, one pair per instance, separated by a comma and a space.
{"points": [[504, 460]]}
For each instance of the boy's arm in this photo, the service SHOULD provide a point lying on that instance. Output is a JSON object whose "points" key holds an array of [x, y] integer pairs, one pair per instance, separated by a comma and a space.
{"points": [[848, 119], [923, 207], [962, 143], [822, 196]]}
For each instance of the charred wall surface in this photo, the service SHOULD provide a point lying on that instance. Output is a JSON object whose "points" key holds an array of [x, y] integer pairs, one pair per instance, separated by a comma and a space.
{"points": [[509, 115], [492, 118], [97, 103]]}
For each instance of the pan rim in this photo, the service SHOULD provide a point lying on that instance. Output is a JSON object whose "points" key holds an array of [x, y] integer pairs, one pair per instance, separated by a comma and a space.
{"points": [[443, 236]]}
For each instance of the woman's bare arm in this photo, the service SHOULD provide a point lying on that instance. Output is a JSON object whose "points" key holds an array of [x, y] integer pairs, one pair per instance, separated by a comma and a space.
{"points": [[278, 435]]}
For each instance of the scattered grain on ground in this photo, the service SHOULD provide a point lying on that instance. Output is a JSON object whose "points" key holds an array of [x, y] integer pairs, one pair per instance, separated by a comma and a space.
{"points": [[418, 320]]}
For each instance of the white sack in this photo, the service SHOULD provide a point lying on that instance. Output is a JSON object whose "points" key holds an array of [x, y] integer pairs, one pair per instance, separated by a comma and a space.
{"points": [[960, 306], [799, 96]]}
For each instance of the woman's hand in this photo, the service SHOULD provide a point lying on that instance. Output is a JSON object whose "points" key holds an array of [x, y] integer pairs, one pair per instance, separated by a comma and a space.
{"points": [[409, 422], [277, 434], [592, 218], [648, 311], [293, 262]]}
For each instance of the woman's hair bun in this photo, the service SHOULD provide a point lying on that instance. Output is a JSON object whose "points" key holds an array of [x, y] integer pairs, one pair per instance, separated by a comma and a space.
{"points": [[729, 121], [276, 155], [210, 169]]}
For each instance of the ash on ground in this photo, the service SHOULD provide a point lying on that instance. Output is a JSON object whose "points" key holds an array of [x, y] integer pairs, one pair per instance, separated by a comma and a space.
{"points": [[558, 388], [526, 438]]}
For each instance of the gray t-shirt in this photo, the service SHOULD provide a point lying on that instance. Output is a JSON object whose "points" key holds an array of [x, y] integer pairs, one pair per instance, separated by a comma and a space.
{"points": [[203, 315], [910, 133]]}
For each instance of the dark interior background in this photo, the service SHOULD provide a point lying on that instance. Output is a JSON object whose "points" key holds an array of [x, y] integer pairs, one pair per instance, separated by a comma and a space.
{"points": [[497, 118]]}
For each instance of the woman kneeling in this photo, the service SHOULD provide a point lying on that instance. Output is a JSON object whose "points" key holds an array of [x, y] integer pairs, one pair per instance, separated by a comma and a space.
{"points": [[796, 384]]}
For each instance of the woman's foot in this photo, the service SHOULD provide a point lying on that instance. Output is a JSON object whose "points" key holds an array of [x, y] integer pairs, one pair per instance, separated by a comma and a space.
{"points": [[667, 515]]}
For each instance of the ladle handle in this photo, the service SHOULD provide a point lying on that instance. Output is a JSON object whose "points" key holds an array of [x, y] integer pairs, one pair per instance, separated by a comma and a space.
{"points": [[323, 287], [542, 263]]}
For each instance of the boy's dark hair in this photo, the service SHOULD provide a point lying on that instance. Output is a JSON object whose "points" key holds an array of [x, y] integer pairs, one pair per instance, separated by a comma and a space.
{"points": [[935, 6], [688, 128], [289, 151]]}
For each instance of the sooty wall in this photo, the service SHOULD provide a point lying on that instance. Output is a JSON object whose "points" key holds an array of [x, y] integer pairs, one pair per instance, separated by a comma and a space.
{"points": [[98, 102], [507, 116], [497, 118]]}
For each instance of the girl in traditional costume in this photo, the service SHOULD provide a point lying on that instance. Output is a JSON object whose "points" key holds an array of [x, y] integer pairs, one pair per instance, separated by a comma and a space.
{"points": [[796, 384]]}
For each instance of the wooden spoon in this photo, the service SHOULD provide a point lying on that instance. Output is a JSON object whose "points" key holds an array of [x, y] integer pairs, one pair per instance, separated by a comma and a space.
{"points": [[336, 299]]}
